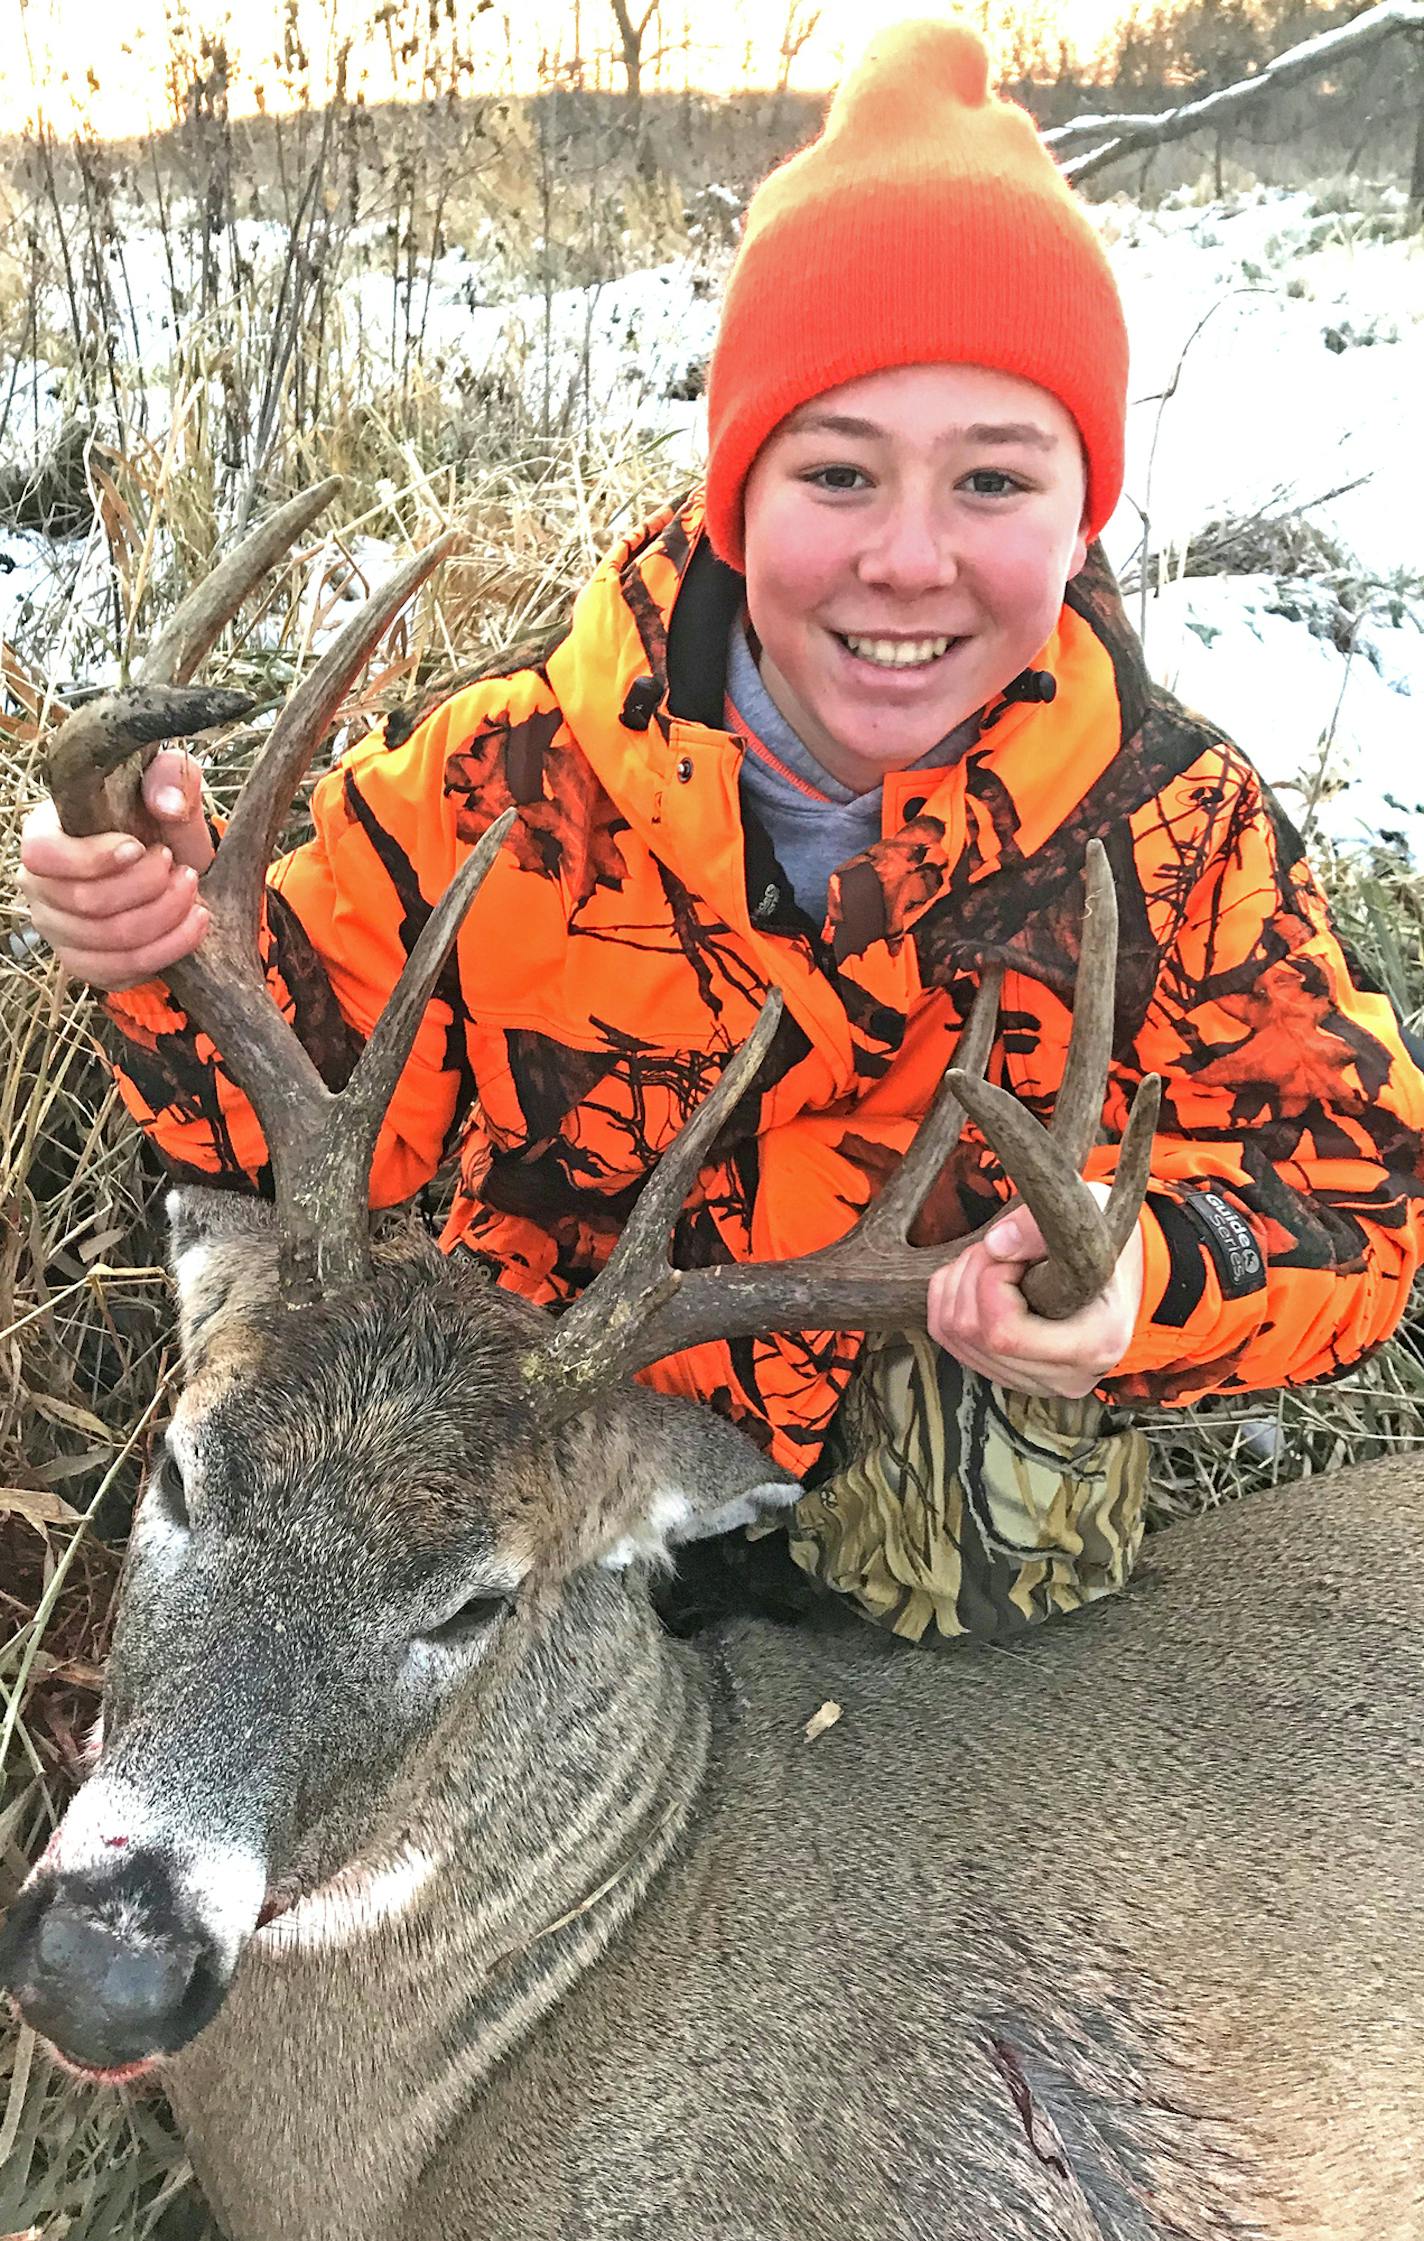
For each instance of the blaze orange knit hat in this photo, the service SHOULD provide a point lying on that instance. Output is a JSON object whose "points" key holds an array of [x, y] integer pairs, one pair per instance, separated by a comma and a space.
{"points": [[927, 225]]}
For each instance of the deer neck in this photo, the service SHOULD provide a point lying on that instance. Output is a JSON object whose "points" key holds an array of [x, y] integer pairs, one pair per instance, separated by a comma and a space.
{"points": [[574, 1789], [543, 1819]]}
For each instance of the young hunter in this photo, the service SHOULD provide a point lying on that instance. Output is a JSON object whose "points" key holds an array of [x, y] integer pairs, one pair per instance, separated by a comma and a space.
{"points": [[843, 722]]}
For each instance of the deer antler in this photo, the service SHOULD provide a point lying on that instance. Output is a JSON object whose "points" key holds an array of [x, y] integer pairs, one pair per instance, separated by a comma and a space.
{"points": [[640, 1308], [320, 1144]]}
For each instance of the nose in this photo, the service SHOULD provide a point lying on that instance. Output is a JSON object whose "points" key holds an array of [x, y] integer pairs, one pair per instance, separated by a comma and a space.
{"points": [[106, 1995], [912, 549]]}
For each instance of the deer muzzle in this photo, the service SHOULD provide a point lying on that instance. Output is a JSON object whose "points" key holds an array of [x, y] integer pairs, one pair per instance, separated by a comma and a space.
{"points": [[114, 1976], [122, 1944]]}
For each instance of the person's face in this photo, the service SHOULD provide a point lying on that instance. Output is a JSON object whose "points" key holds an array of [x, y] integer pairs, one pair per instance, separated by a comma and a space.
{"points": [[907, 539]]}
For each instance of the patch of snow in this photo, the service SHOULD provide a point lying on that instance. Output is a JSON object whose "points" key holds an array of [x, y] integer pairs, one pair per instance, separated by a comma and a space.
{"points": [[1338, 735]]}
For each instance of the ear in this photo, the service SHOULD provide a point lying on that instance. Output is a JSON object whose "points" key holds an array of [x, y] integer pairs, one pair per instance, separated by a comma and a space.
{"points": [[223, 1250], [648, 1470]]}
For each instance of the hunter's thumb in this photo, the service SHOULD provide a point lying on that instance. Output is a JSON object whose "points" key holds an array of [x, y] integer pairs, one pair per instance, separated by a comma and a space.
{"points": [[173, 795]]}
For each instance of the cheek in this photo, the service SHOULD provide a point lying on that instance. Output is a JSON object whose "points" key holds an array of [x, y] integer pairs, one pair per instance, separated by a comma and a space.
{"points": [[793, 568], [1022, 579]]}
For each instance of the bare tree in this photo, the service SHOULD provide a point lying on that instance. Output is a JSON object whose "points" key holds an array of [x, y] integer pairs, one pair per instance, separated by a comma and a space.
{"points": [[800, 25], [1416, 183], [632, 33]]}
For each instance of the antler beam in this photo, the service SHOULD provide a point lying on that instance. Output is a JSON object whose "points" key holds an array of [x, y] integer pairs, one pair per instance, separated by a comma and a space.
{"points": [[320, 1144], [640, 1308]]}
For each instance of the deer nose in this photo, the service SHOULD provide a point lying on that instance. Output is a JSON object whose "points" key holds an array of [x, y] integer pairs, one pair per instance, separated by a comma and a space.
{"points": [[103, 2001], [104, 1998]]}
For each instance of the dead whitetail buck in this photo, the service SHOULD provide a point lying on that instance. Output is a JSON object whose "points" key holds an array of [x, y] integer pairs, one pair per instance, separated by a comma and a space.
{"points": [[452, 1898]]}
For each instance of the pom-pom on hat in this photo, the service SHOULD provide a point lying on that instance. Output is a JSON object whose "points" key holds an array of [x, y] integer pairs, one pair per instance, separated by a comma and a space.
{"points": [[927, 225]]}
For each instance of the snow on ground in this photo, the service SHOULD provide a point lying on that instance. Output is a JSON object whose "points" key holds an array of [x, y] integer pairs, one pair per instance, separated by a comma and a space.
{"points": [[1277, 358], [1292, 342], [1340, 737]]}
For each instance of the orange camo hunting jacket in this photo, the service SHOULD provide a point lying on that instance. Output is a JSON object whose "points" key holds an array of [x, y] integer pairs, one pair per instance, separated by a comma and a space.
{"points": [[633, 922]]}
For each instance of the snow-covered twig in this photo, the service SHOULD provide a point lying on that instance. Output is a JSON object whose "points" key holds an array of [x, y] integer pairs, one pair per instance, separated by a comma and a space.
{"points": [[1130, 133]]}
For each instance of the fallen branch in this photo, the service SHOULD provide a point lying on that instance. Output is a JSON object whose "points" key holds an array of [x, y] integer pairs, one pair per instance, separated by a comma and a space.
{"points": [[1132, 133]]}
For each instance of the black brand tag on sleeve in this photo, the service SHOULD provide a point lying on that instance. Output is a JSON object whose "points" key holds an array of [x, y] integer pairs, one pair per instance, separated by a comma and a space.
{"points": [[1240, 1264]]}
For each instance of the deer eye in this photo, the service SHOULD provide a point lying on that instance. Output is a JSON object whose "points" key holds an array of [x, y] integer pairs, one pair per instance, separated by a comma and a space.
{"points": [[467, 1622], [164, 1493]]}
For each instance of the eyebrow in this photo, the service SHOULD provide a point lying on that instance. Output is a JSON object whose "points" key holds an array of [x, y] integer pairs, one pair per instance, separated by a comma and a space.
{"points": [[983, 432]]}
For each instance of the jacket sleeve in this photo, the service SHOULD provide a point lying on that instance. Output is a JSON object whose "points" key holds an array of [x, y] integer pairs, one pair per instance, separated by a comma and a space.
{"points": [[340, 915], [1285, 1212]]}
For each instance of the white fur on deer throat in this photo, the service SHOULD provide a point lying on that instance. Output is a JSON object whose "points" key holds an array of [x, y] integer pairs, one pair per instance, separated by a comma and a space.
{"points": [[110, 1820], [355, 1902], [371, 1894], [189, 1266]]}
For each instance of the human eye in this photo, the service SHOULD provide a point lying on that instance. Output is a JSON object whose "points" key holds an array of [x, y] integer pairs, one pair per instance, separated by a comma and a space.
{"points": [[992, 482], [840, 477]]}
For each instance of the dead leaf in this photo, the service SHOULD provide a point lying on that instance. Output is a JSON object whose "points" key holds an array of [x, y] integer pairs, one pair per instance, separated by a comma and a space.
{"points": [[72, 1416], [35, 1508], [829, 1713], [89, 1248], [76, 1670]]}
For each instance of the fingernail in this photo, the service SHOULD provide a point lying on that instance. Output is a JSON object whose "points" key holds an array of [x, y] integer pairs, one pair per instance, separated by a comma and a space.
{"points": [[128, 852], [169, 802]]}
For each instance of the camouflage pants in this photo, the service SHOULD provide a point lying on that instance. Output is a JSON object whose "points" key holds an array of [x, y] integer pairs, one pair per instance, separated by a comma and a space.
{"points": [[945, 1505]]}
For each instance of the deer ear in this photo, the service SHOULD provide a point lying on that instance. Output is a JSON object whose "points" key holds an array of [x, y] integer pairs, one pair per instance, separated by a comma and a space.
{"points": [[653, 1470], [223, 1250]]}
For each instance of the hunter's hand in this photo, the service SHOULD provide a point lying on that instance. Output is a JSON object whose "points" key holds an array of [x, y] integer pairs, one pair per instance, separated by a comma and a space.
{"points": [[979, 1314], [114, 911]]}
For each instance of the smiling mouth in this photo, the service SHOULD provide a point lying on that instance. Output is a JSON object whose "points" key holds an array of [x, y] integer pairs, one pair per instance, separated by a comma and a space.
{"points": [[896, 653]]}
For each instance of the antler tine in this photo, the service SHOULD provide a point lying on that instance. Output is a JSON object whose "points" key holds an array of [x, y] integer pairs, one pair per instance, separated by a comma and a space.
{"points": [[1048, 1285], [232, 888], [590, 1343], [321, 1144], [890, 1215], [321, 1183], [192, 632], [96, 760], [1134, 1164], [356, 1115], [319, 1150], [1078, 1112], [1060, 1202]]}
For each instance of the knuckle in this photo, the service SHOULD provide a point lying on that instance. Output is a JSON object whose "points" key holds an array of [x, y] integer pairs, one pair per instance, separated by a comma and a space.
{"points": [[141, 929]]}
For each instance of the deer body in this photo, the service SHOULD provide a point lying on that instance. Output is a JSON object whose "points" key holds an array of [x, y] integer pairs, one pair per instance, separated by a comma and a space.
{"points": [[1106, 1934], [1109, 1934]]}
